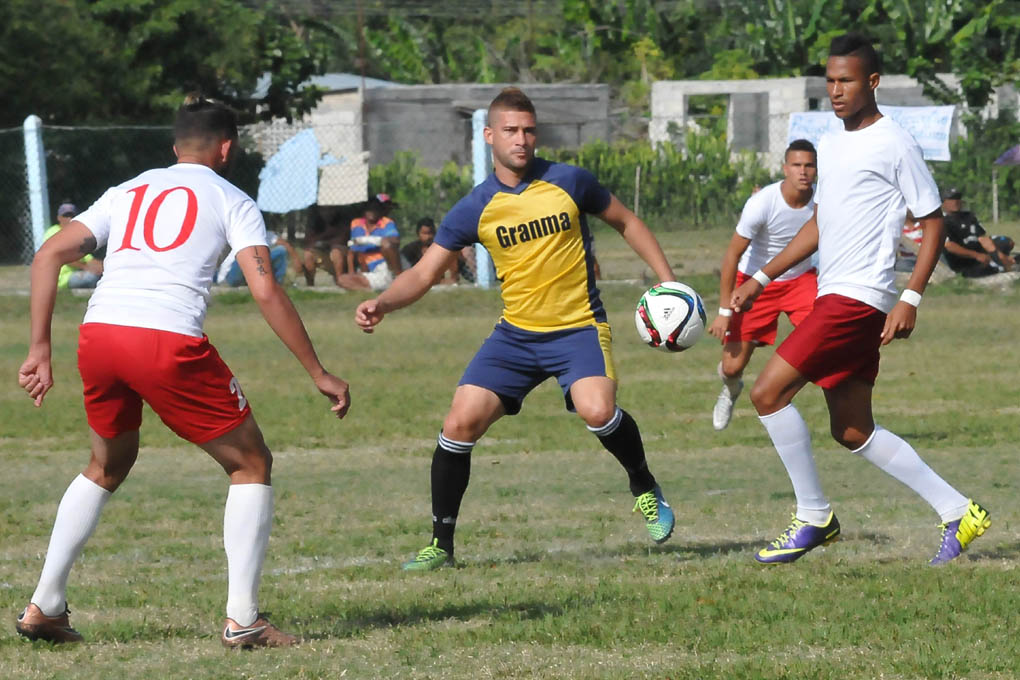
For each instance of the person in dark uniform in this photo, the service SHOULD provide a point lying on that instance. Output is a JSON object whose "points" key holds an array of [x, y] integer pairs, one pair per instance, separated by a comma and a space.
{"points": [[970, 251]]}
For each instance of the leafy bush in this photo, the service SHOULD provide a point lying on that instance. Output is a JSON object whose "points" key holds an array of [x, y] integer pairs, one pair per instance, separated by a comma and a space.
{"points": [[418, 191], [970, 171], [700, 184]]}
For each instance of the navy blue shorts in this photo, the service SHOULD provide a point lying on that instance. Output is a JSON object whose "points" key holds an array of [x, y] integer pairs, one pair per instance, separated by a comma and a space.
{"points": [[512, 361]]}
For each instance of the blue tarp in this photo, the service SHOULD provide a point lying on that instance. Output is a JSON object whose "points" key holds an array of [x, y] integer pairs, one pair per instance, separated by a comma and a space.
{"points": [[290, 179]]}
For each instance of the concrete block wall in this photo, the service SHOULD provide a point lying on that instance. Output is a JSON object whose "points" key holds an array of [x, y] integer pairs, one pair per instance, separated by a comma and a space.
{"points": [[435, 120]]}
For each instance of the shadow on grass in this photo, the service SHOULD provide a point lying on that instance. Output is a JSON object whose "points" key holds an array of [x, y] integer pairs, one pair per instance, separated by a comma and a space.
{"points": [[1003, 551], [335, 624], [588, 555], [929, 436]]}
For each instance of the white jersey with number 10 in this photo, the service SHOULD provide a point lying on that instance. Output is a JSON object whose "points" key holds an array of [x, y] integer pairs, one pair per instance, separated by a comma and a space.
{"points": [[164, 231]]}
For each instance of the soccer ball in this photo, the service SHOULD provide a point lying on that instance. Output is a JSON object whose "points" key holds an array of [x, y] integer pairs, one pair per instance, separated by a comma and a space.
{"points": [[670, 317]]}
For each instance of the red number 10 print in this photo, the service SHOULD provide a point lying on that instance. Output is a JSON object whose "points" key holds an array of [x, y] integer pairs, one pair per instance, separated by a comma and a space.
{"points": [[149, 224]]}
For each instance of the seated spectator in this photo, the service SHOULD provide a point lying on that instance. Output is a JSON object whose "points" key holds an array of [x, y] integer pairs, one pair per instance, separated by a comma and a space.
{"points": [[83, 273], [910, 242], [969, 250], [280, 254], [325, 247], [373, 257], [412, 252]]}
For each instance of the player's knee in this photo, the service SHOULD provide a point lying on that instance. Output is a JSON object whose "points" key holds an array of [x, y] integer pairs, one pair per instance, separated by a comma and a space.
{"points": [[765, 399], [255, 464], [848, 437], [596, 415], [109, 474], [731, 368], [461, 428]]}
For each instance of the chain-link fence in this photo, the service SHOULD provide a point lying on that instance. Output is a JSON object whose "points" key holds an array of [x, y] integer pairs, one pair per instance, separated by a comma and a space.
{"points": [[312, 177], [15, 237]]}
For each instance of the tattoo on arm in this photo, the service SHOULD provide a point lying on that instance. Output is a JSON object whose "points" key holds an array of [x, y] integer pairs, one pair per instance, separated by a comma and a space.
{"points": [[88, 245], [260, 261]]}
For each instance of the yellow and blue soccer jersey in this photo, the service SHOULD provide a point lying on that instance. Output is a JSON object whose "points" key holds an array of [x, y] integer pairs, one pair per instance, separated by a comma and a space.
{"points": [[538, 237]]}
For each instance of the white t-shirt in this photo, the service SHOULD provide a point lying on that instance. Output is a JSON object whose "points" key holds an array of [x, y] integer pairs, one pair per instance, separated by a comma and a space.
{"points": [[770, 223], [867, 180], [164, 231]]}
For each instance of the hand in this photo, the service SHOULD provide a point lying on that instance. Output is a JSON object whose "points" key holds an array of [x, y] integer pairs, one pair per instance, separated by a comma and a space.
{"points": [[35, 376], [983, 258], [744, 296], [368, 315], [899, 323], [337, 391], [95, 266], [719, 327]]}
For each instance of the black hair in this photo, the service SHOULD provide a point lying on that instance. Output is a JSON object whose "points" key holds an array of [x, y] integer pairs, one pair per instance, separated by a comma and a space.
{"points": [[856, 45], [511, 99], [800, 145], [204, 121], [425, 222]]}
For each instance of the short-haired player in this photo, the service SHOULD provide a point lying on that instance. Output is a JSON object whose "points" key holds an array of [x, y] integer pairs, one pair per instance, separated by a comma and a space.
{"points": [[770, 219], [530, 215], [142, 340], [870, 173]]}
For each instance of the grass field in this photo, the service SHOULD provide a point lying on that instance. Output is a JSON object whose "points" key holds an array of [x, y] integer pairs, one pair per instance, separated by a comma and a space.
{"points": [[558, 578]]}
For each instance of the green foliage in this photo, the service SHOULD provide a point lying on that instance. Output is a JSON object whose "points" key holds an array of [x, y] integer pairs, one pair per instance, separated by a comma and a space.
{"points": [[419, 192], [972, 166], [701, 185], [977, 40], [133, 60], [731, 65]]}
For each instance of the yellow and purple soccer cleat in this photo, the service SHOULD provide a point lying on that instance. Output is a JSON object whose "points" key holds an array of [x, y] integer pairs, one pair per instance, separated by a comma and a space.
{"points": [[799, 538], [958, 534]]}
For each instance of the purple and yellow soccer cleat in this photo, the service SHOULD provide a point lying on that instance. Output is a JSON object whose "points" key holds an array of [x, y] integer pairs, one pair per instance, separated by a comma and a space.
{"points": [[958, 534], [799, 538]]}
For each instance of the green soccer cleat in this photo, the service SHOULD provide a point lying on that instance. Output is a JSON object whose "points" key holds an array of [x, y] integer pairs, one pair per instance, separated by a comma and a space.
{"points": [[429, 558], [658, 515]]}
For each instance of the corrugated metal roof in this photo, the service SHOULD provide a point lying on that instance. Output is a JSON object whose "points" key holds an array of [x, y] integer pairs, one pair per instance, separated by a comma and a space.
{"points": [[331, 82]]}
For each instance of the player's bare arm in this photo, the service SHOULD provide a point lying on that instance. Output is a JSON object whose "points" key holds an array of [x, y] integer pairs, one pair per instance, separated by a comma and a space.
{"points": [[727, 279], [639, 237], [279, 313], [67, 245], [797, 250], [407, 288], [901, 319]]}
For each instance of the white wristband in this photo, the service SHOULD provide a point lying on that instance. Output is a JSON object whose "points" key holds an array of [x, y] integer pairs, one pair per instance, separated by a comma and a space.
{"points": [[725, 311], [911, 297], [762, 278]]}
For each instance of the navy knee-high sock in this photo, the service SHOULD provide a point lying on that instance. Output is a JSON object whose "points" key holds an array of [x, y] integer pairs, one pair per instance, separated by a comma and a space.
{"points": [[622, 438], [451, 469]]}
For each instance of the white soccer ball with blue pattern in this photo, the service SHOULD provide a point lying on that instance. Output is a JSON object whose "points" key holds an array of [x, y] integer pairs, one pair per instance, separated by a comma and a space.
{"points": [[670, 316]]}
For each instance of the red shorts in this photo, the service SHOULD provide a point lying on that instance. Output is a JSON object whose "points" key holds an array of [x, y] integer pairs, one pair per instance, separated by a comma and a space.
{"points": [[795, 298], [838, 340], [181, 377]]}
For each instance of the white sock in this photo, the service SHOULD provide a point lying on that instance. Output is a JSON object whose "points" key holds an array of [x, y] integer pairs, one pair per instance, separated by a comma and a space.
{"points": [[732, 384], [247, 520], [792, 440], [77, 517], [897, 458]]}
